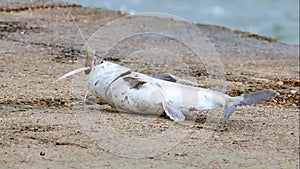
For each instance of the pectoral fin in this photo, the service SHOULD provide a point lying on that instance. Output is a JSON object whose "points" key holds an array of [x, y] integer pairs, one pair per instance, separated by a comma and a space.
{"points": [[173, 112], [134, 82]]}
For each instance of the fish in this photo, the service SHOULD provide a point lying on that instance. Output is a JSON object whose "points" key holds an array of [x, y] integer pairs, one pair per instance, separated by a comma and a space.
{"points": [[130, 91]]}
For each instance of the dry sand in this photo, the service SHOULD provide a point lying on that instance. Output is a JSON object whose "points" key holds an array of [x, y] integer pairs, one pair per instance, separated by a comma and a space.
{"points": [[40, 120]]}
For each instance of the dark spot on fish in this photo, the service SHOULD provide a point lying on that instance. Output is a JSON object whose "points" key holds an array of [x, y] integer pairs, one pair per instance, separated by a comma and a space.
{"points": [[96, 82], [138, 85]]}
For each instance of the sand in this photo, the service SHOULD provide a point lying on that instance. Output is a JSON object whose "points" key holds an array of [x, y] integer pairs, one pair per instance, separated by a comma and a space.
{"points": [[44, 124]]}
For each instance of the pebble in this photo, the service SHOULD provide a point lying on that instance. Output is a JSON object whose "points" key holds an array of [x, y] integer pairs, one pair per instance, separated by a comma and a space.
{"points": [[280, 83], [293, 91], [180, 154]]}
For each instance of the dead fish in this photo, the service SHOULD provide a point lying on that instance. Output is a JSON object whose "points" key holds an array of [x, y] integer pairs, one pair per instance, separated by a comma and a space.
{"points": [[131, 91]]}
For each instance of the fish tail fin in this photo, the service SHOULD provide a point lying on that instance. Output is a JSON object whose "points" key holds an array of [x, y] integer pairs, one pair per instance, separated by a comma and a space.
{"points": [[252, 98]]}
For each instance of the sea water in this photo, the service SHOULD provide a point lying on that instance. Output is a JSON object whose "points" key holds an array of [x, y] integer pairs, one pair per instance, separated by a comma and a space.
{"points": [[278, 19]]}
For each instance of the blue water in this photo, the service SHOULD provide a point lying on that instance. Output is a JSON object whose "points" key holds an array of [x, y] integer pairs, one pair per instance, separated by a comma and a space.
{"points": [[278, 19]]}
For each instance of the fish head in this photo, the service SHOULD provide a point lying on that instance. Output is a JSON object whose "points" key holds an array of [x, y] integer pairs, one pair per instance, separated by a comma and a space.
{"points": [[103, 74]]}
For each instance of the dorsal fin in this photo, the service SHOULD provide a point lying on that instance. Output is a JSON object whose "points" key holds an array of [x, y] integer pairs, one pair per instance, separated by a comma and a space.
{"points": [[165, 76], [172, 78]]}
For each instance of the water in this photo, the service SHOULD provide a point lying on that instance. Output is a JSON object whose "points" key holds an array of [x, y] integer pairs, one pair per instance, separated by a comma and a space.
{"points": [[278, 19]]}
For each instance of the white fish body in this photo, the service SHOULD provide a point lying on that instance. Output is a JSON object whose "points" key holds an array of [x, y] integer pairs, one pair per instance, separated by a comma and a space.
{"points": [[135, 92]]}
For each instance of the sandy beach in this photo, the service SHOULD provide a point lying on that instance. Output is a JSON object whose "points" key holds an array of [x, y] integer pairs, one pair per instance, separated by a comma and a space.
{"points": [[42, 122]]}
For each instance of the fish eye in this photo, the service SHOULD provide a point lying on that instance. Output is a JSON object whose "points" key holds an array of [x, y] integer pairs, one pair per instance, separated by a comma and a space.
{"points": [[101, 62]]}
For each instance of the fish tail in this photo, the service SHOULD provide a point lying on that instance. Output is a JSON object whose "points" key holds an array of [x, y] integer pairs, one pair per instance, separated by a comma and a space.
{"points": [[252, 98]]}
